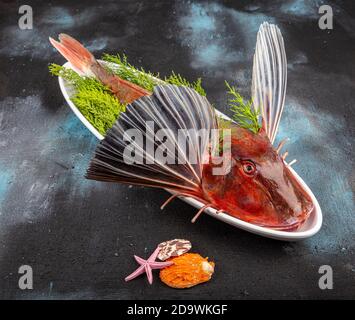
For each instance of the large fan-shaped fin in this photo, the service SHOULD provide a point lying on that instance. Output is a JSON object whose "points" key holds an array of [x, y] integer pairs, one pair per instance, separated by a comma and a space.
{"points": [[269, 77], [167, 110]]}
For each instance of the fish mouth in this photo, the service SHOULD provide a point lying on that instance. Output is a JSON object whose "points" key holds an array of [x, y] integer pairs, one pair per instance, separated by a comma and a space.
{"points": [[287, 223], [292, 227]]}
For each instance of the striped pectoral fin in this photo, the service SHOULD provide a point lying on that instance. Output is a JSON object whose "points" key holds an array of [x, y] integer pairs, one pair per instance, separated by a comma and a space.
{"points": [[178, 114]]}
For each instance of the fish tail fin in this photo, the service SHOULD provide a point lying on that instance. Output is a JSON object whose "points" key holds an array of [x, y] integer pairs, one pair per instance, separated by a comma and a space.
{"points": [[161, 158], [85, 63], [72, 50]]}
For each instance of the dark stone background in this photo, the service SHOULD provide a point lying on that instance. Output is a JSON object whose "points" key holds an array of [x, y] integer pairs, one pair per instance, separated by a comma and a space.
{"points": [[79, 236]]}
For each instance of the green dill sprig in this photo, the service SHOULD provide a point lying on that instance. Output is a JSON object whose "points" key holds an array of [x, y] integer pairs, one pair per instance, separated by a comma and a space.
{"points": [[93, 99], [100, 108], [178, 80], [146, 79], [67, 74], [243, 112]]}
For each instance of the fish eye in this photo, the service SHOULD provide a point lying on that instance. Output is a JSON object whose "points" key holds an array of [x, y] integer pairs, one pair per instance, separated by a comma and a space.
{"points": [[249, 167]]}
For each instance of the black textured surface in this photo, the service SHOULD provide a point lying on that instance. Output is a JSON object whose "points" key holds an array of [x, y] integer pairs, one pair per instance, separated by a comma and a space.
{"points": [[79, 236]]}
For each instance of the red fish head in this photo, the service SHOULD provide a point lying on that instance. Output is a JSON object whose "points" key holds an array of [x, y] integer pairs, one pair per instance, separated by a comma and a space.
{"points": [[258, 187]]}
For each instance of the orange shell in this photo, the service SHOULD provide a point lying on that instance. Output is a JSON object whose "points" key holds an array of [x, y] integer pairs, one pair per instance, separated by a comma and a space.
{"points": [[187, 271]]}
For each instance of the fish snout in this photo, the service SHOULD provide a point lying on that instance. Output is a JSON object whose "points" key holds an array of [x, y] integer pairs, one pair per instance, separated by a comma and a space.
{"points": [[291, 200], [288, 199]]}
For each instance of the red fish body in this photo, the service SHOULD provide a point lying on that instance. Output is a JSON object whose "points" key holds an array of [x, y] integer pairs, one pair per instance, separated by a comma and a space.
{"points": [[257, 185]]}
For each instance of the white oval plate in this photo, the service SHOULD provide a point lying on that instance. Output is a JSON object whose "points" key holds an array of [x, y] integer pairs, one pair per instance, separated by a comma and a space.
{"points": [[308, 229]]}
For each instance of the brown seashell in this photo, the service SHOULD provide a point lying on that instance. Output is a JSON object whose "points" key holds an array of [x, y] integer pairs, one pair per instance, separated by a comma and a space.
{"points": [[173, 248]]}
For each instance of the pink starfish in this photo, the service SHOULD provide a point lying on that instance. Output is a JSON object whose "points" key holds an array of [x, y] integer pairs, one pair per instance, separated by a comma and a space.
{"points": [[147, 266]]}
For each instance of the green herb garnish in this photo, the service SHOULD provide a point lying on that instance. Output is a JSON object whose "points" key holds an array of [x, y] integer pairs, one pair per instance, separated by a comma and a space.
{"points": [[96, 101], [178, 80], [146, 79], [243, 112]]}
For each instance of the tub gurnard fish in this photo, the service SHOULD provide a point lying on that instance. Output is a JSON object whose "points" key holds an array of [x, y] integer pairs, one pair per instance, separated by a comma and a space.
{"points": [[257, 185]]}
